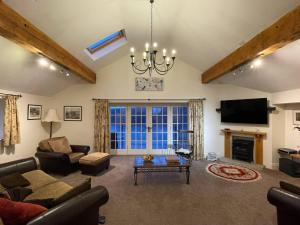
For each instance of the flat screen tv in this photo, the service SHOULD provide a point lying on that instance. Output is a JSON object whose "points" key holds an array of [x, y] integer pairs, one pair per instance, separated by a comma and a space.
{"points": [[250, 111]]}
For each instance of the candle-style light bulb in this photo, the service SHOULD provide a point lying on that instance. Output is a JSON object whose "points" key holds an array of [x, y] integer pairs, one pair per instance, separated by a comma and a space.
{"points": [[144, 55], [133, 60], [173, 52], [155, 45], [132, 50], [164, 52], [168, 60], [147, 47]]}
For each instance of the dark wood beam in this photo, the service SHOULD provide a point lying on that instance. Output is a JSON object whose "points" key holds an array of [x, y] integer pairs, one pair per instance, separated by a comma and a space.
{"points": [[16, 28], [281, 33]]}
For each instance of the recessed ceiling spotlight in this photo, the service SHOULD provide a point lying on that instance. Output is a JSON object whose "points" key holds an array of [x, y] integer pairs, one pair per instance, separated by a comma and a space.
{"points": [[67, 74], [43, 62], [52, 67]]}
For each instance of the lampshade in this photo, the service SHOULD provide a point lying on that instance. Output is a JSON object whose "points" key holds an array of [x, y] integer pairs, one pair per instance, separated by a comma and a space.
{"points": [[51, 116]]}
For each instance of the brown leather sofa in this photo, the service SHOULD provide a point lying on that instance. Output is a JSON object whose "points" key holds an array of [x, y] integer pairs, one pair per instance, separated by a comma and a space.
{"points": [[59, 162], [66, 213], [287, 201]]}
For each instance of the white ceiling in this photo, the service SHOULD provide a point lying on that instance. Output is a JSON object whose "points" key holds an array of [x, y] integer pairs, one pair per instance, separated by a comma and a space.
{"points": [[203, 32], [278, 72]]}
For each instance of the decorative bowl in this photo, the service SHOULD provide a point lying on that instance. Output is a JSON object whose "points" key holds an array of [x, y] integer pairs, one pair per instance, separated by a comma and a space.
{"points": [[148, 157]]}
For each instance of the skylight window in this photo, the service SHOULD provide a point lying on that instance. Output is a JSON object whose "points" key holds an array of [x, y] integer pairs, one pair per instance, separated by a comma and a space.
{"points": [[106, 45]]}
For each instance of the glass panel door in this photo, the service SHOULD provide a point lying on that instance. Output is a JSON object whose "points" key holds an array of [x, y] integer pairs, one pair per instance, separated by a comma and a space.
{"points": [[159, 127], [138, 127]]}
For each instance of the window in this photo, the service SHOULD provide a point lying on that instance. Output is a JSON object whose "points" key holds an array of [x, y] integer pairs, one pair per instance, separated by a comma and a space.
{"points": [[180, 123], [1, 118], [150, 129], [106, 45], [118, 127], [160, 127], [138, 127]]}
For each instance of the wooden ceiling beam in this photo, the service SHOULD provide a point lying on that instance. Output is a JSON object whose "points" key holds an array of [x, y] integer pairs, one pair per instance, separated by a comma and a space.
{"points": [[281, 33], [16, 28]]}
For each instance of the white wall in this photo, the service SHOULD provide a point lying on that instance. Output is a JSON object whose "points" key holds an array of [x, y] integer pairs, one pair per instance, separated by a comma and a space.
{"points": [[31, 130], [116, 81], [288, 101]]}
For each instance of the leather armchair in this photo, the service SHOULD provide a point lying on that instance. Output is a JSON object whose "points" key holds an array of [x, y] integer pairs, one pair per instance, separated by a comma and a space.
{"points": [[287, 201], [60, 163]]}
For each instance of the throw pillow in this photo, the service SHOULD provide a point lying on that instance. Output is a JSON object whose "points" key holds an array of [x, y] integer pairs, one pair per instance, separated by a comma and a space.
{"points": [[19, 193], [14, 180], [16, 213], [44, 145], [84, 186], [60, 145]]}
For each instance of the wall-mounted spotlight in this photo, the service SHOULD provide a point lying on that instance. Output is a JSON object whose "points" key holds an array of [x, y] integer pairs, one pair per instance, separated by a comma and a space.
{"points": [[52, 67], [43, 62]]}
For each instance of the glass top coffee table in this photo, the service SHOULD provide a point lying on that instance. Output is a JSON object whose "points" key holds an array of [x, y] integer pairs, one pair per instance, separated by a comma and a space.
{"points": [[160, 164]]}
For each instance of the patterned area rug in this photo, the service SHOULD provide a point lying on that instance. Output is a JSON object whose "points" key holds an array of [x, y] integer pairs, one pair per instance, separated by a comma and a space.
{"points": [[233, 172]]}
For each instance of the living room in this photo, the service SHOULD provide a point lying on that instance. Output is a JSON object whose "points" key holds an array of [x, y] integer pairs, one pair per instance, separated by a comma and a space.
{"points": [[64, 86]]}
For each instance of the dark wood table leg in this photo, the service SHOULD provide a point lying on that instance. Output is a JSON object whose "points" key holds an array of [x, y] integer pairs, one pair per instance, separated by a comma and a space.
{"points": [[188, 175], [135, 176]]}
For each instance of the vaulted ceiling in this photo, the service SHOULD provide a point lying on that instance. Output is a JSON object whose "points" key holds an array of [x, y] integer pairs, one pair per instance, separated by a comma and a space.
{"points": [[203, 32]]}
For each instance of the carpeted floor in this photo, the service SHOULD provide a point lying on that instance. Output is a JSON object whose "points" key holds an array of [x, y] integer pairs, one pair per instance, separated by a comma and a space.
{"points": [[165, 199]]}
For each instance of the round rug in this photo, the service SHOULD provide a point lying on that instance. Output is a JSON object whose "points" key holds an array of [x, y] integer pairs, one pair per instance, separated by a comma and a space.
{"points": [[233, 172]]}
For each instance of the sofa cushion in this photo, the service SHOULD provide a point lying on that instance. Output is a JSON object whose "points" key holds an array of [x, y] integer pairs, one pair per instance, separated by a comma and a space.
{"points": [[38, 179], [53, 190], [44, 145], [19, 193], [14, 180], [60, 145], [75, 156], [84, 186], [16, 213], [94, 159]]}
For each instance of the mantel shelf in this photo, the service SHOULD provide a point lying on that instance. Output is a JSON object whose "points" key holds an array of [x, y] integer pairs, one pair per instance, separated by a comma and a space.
{"points": [[254, 133]]}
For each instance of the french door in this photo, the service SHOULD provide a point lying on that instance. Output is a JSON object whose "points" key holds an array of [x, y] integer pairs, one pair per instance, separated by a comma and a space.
{"points": [[147, 129]]}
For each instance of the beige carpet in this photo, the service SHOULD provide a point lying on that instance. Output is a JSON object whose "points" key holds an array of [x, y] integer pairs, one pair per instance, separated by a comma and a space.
{"points": [[165, 199]]}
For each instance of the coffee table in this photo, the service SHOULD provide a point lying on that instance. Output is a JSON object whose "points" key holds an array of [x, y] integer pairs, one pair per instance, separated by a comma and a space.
{"points": [[159, 164]]}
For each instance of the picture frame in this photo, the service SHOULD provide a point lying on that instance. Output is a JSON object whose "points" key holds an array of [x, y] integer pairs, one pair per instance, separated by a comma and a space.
{"points": [[72, 113], [34, 112], [296, 117], [149, 84]]}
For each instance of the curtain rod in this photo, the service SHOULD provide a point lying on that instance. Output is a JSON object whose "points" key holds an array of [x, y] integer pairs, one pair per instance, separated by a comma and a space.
{"points": [[150, 99], [4, 94]]}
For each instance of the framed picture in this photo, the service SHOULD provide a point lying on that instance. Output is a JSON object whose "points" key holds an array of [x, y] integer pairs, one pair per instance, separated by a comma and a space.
{"points": [[149, 84], [72, 113], [34, 112], [296, 117]]}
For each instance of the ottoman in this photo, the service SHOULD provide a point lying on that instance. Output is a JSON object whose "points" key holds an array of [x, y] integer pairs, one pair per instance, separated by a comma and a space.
{"points": [[94, 163]]}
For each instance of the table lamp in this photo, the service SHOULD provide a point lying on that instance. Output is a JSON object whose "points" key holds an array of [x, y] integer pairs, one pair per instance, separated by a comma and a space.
{"points": [[51, 118]]}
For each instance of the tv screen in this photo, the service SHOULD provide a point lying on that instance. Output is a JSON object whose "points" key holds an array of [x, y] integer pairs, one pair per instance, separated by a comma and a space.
{"points": [[251, 111]]}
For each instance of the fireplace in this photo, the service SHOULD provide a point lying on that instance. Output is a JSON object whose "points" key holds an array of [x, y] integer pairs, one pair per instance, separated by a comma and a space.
{"points": [[243, 148]]}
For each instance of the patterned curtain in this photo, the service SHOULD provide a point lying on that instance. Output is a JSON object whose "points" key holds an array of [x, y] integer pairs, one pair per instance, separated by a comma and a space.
{"points": [[196, 124], [11, 122], [101, 128]]}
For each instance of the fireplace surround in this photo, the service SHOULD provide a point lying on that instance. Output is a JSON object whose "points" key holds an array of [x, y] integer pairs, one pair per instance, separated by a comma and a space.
{"points": [[258, 143]]}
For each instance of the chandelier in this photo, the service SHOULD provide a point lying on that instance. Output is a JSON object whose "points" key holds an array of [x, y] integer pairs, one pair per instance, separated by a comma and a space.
{"points": [[151, 60]]}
